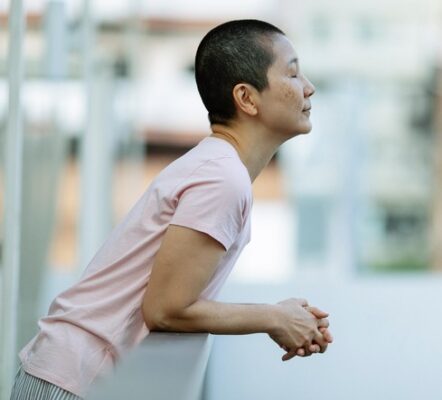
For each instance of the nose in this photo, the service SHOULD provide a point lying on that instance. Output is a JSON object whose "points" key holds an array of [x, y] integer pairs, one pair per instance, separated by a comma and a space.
{"points": [[309, 88]]}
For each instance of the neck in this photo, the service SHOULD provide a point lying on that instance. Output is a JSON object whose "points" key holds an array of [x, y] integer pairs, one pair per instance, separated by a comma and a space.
{"points": [[255, 147]]}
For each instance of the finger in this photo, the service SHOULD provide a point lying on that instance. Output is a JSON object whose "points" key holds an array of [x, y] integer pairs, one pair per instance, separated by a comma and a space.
{"points": [[325, 332], [319, 338], [327, 335], [317, 312], [289, 355], [305, 351], [314, 348], [323, 323], [321, 341], [321, 348]]}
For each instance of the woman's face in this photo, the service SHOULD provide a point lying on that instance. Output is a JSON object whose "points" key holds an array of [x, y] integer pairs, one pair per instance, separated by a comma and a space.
{"points": [[283, 104]]}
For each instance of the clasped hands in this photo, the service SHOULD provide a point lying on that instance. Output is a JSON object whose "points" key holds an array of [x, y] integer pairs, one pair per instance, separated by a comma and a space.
{"points": [[301, 335]]}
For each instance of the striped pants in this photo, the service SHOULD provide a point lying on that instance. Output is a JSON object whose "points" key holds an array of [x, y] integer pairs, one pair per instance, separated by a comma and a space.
{"points": [[28, 387]]}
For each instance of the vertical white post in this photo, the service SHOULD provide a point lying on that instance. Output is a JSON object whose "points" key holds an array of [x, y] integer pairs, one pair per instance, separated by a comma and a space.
{"points": [[56, 40], [13, 199], [96, 150], [88, 36]]}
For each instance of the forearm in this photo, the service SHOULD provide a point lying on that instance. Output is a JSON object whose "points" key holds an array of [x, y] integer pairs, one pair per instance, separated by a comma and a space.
{"points": [[221, 318]]}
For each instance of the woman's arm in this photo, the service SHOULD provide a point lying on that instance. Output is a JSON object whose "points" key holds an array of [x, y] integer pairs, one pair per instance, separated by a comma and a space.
{"points": [[184, 265]]}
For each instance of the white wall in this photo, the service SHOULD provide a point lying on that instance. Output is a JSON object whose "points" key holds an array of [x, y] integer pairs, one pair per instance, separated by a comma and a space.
{"points": [[387, 344]]}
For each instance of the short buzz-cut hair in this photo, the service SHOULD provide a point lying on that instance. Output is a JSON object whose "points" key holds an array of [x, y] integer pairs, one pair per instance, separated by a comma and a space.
{"points": [[234, 52]]}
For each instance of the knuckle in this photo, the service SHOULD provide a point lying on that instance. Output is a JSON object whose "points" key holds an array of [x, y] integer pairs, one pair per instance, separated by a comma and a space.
{"points": [[305, 337]]}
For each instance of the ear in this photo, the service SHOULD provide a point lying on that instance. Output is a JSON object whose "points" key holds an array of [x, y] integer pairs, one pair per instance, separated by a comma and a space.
{"points": [[245, 98]]}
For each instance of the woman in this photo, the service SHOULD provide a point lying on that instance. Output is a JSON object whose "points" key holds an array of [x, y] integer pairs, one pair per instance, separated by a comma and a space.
{"points": [[162, 267]]}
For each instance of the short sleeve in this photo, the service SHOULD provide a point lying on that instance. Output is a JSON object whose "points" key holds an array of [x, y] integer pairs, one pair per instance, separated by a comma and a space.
{"points": [[211, 201]]}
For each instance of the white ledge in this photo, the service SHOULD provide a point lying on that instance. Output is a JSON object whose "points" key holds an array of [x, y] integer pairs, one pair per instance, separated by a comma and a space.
{"points": [[164, 366]]}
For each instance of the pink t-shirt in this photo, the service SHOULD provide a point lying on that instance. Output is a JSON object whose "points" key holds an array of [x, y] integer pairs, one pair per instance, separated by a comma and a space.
{"points": [[93, 323]]}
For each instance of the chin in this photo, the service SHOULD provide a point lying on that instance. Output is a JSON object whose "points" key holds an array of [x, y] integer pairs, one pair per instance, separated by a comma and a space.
{"points": [[303, 130], [297, 133], [297, 130]]}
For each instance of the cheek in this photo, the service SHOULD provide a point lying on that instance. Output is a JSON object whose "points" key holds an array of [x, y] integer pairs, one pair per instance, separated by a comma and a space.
{"points": [[291, 95]]}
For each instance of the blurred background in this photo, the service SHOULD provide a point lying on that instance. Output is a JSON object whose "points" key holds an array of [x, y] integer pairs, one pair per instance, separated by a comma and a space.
{"points": [[348, 216]]}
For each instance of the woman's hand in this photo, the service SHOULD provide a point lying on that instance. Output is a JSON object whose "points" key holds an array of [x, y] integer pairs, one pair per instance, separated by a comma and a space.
{"points": [[303, 329]]}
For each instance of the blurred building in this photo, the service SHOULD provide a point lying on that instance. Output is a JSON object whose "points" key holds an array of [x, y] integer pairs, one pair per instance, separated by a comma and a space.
{"points": [[373, 66], [366, 172]]}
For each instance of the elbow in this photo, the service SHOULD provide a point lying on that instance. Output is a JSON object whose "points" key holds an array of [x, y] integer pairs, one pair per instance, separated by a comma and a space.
{"points": [[154, 321], [157, 320]]}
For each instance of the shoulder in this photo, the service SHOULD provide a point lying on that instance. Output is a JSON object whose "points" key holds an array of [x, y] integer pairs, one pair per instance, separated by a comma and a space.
{"points": [[226, 172]]}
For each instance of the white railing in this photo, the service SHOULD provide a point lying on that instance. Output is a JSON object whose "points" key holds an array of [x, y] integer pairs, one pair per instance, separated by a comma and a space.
{"points": [[164, 366], [13, 154]]}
